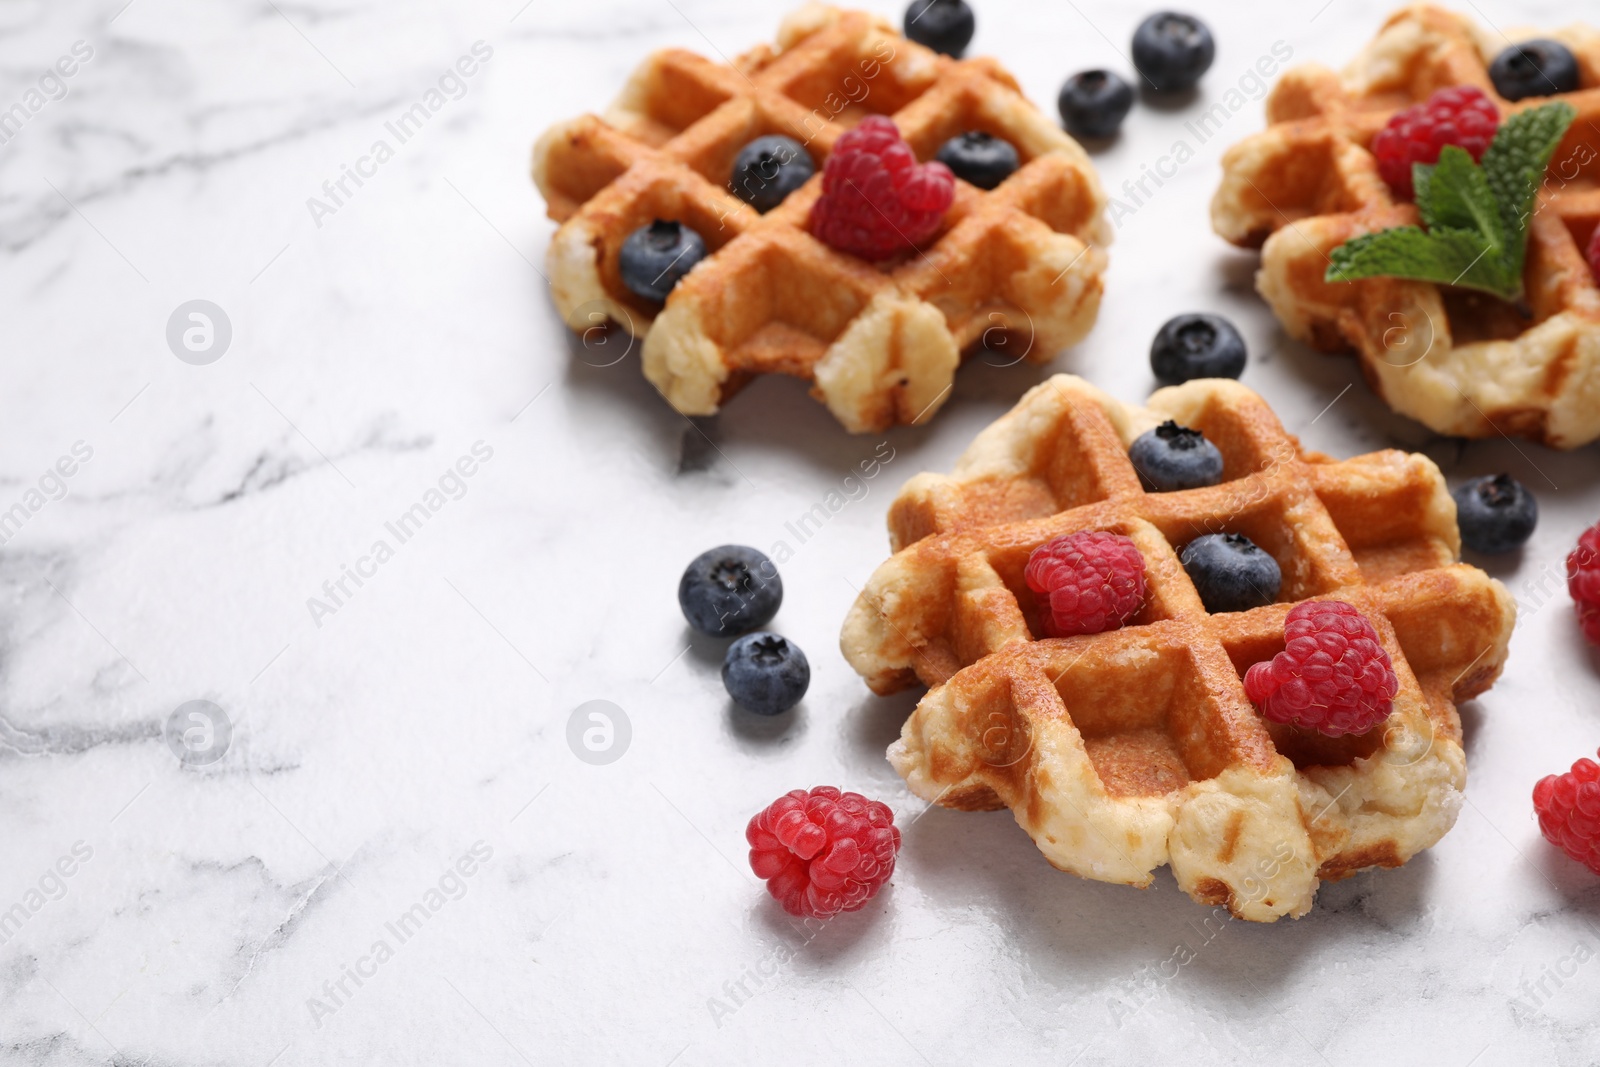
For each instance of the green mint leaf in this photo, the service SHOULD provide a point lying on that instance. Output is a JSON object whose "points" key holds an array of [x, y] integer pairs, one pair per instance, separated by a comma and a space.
{"points": [[1455, 194], [1515, 164], [1477, 215], [1445, 256], [1479, 264], [1404, 251]]}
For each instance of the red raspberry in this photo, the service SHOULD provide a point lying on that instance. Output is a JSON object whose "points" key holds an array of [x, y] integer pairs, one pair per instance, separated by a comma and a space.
{"points": [[1093, 581], [1333, 676], [1583, 582], [1463, 115], [876, 200], [823, 852], [1569, 811]]}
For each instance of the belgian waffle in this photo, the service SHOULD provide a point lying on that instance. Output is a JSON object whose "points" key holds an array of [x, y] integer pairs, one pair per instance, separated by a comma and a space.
{"points": [[1021, 264], [1121, 751], [1460, 362]]}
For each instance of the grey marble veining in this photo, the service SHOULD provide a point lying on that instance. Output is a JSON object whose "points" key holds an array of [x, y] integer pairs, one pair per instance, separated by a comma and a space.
{"points": [[396, 857]]}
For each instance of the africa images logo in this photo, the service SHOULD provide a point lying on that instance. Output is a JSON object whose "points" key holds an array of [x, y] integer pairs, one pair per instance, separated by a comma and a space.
{"points": [[452, 85], [451, 485], [451, 885]]}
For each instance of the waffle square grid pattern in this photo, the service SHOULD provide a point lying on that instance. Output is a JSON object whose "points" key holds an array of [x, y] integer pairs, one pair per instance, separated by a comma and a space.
{"points": [[1122, 751], [1018, 268], [1460, 362]]}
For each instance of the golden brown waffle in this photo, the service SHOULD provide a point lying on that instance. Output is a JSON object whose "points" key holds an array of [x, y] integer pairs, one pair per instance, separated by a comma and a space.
{"points": [[880, 342], [1460, 362], [1121, 751]]}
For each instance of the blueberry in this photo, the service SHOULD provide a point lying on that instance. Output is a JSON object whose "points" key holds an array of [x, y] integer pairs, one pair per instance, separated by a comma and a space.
{"points": [[655, 257], [1496, 513], [1197, 345], [1093, 103], [765, 674], [769, 169], [1231, 572], [1173, 457], [980, 158], [1534, 68], [730, 590], [1172, 51], [942, 25]]}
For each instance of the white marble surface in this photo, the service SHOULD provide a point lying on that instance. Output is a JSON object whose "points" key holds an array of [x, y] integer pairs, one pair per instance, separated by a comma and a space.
{"points": [[426, 716]]}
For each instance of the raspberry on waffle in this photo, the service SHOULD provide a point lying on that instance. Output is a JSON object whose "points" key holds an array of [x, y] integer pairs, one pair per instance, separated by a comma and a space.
{"points": [[877, 200], [1087, 582], [1458, 361], [1128, 749], [880, 341], [1462, 115], [1333, 676]]}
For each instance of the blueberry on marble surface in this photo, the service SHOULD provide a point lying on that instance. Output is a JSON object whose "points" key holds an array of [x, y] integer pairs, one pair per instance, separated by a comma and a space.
{"points": [[1496, 514], [1197, 345], [730, 590], [943, 25], [765, 673], [1172, 50], [1093, 103]]}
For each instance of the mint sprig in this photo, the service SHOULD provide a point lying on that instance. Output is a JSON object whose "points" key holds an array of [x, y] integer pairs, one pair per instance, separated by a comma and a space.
{"points": [[1476, 214]]}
